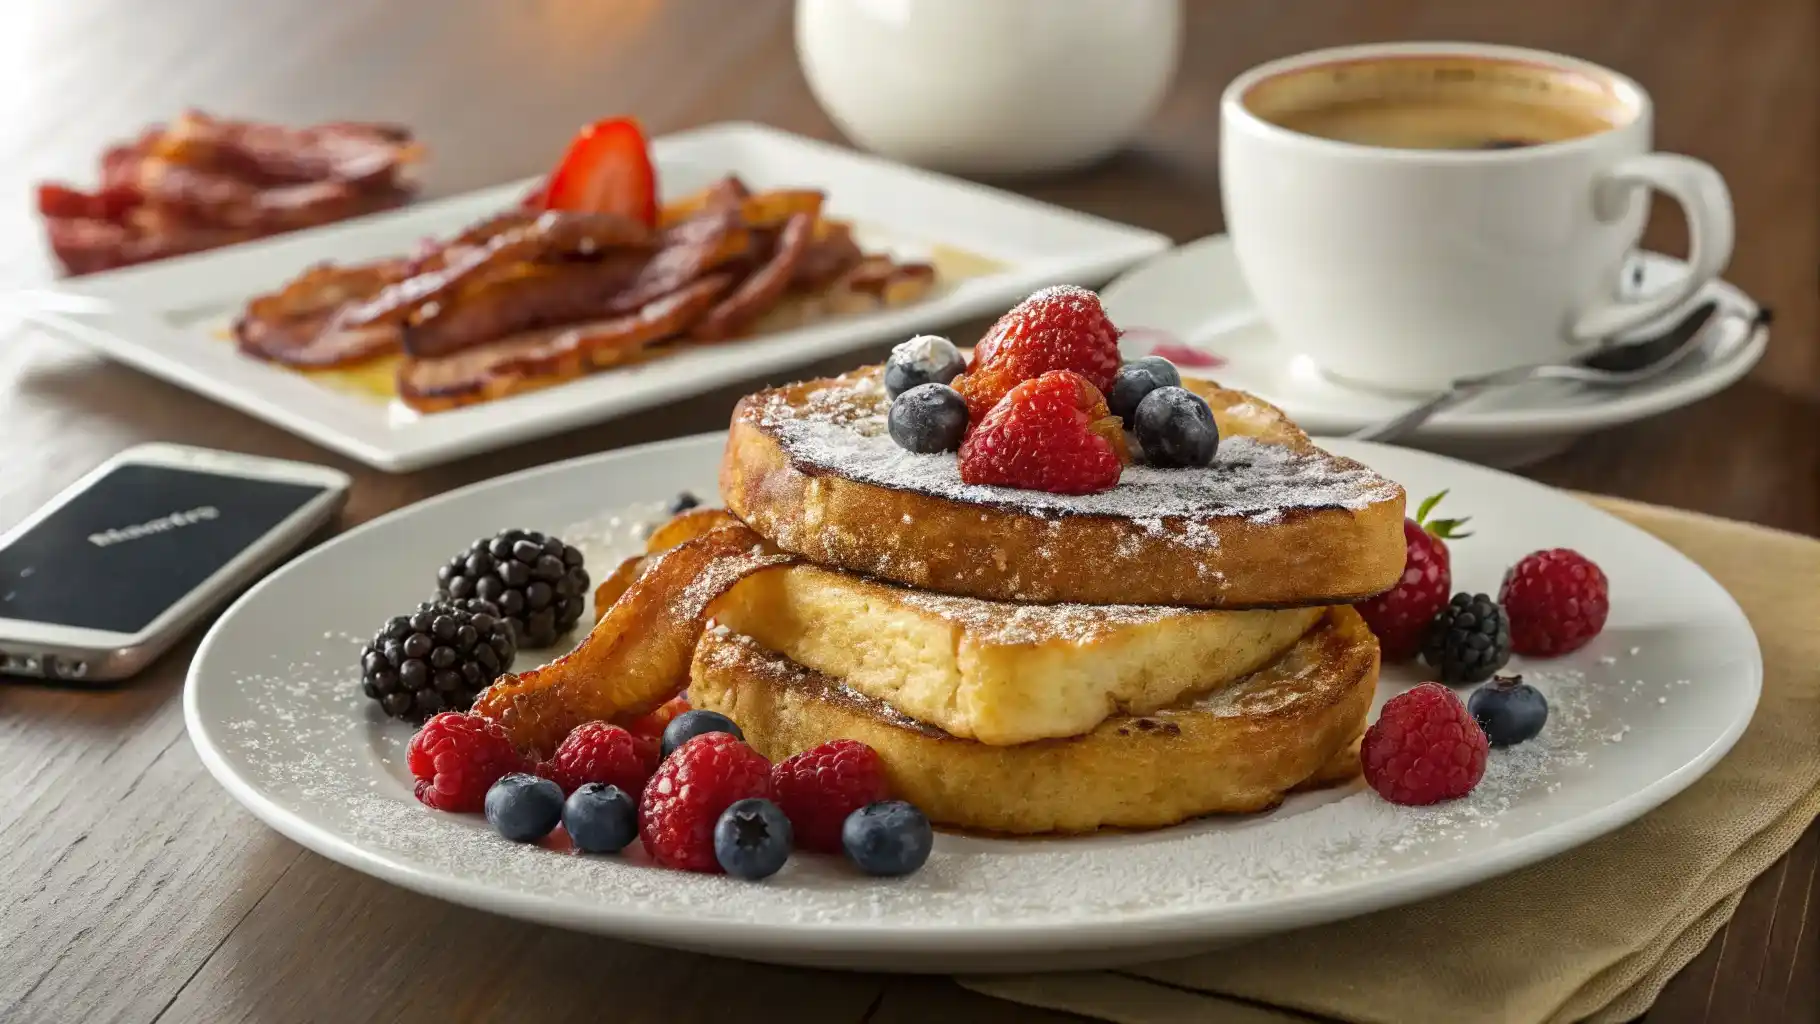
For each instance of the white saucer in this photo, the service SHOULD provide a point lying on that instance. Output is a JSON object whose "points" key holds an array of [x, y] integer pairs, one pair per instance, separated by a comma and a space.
{"points": [[274, 707], [1197, 296]]}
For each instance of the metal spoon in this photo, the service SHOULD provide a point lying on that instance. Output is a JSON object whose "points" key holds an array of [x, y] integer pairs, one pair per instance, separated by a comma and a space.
{"points": [[1616, 366]]}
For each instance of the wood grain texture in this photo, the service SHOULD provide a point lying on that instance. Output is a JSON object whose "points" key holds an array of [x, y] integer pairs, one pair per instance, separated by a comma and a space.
{"points": [[136, 890]]}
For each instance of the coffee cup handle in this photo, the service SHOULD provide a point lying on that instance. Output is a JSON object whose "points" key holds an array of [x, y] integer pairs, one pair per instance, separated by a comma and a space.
{"points": [[1708, 206]]}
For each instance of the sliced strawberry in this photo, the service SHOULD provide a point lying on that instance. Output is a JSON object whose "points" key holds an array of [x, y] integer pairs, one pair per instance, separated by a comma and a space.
{"points": [[606, 170]]}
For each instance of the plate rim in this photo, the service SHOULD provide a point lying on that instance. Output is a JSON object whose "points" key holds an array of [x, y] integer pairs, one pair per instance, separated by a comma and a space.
{"points": [[1125, 933], [135, 334], [1463, 422]]}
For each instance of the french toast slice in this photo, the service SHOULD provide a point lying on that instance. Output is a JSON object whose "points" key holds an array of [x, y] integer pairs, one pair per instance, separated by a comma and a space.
{"points": [[1274, 522], [995, 672], [1291, 725]]}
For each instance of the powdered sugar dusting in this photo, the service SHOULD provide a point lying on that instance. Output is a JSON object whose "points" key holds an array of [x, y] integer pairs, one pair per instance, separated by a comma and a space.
{"points": [[841, 429], [1071, 295], [925, 353]]}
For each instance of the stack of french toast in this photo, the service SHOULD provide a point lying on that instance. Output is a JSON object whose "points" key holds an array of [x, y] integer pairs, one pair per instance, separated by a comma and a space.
{"points": [[1175, 644]]}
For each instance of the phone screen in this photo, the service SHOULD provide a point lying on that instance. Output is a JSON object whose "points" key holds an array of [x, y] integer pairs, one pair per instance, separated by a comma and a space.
{"points": [[135, 542]]}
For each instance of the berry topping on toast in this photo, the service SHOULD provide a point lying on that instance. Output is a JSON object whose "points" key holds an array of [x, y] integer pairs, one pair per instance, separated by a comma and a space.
{"points": [[1051, 434], [1060, 328]]}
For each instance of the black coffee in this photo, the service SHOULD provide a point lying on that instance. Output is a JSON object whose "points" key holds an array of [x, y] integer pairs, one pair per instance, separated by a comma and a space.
{"points": [[1429, 102]]}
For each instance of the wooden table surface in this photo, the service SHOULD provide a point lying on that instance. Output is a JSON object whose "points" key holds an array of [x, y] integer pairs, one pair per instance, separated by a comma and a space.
{"points": [[135, 889]]}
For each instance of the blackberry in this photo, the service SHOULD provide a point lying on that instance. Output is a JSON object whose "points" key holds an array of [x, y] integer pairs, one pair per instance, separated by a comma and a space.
{"points": [[1469, 640], [437, 658], [536, 580]]}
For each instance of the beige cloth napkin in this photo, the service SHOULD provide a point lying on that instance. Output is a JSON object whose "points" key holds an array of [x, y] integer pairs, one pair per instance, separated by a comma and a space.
{"points": [[1593, 934]]}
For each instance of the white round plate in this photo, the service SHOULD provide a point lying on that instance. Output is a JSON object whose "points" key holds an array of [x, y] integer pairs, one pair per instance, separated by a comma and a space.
{"points": [[1196, 296], [274, 708]]}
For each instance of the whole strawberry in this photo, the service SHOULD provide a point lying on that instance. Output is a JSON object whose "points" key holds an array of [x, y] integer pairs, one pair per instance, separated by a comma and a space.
{"points": [[682, 802], [819, 787], [1424, 748], [1059, 328], [1556, 602], [1051, 434], [1399, 615]]}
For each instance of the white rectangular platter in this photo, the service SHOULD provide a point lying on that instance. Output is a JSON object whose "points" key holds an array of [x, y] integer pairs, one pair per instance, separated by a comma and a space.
{"points": [[170, 318]]}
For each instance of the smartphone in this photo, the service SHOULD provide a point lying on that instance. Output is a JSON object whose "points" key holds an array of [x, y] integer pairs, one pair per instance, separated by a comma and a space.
{"points": [[115, 569]]}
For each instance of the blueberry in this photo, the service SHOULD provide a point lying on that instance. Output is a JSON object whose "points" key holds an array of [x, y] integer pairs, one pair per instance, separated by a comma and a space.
{"points": [[924, 359], [1509, 710], [752, 839], [683, 502], [690, 724], [1139, 378], [1175, 428], [600, 818], [524, 808], [928, 418], [887, 838]]}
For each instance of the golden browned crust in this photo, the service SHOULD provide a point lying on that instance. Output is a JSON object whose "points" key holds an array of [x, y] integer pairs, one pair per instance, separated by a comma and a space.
{"points": [[1289, 726], [1294, 555]]}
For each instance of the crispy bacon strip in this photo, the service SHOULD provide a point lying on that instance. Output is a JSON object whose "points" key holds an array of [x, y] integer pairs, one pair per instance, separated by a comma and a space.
{"points": [[208, 197], [270, 154], [549, 236], [637, 656], [832, 252], [759, 292], [686, 252], [722, 196], [541, 358], [300, 325], [516, 298], [203, 182]]}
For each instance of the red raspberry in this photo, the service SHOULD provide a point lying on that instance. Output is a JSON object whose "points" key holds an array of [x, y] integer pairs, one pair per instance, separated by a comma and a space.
{"points": [[818, 788], [1399, 615], [1052, 434], [456, 758], [1556, 602], [698, 781], [599, 752], [1060, 328], [1424, 748]]}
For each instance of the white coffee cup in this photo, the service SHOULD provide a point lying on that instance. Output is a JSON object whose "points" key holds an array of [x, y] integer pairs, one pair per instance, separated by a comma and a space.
{"points": [[1405, 267]]}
